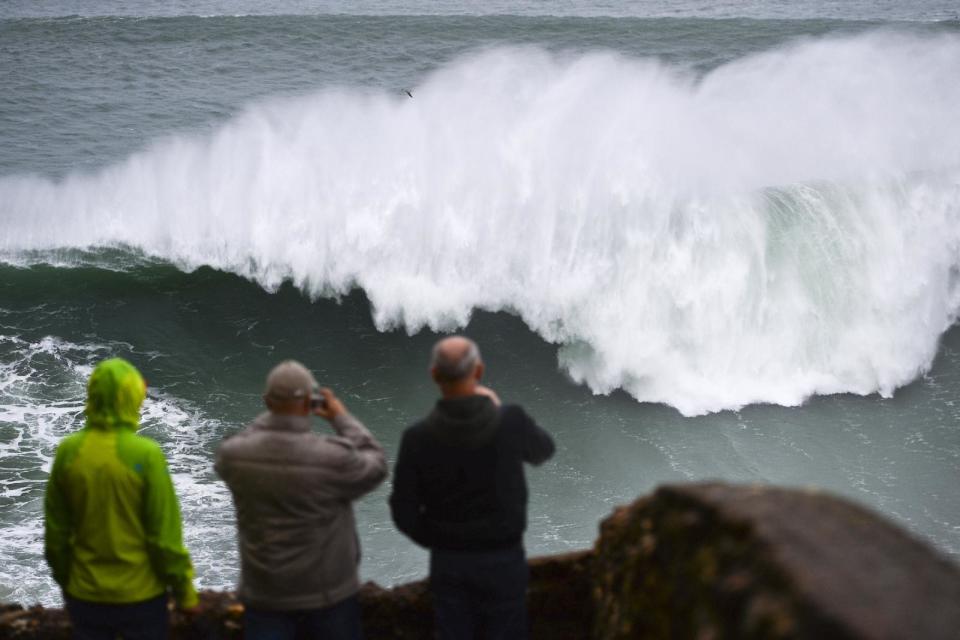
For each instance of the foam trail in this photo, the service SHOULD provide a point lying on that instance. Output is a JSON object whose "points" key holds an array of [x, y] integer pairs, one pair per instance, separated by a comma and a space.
{"points": [[784, 226]]}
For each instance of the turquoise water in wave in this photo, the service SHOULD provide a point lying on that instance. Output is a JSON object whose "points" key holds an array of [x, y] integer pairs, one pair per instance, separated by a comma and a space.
{"points": [[695, 240]]}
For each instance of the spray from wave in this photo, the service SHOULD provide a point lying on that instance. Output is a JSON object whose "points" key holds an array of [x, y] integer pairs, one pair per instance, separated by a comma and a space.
{"points": [[783, 226]]}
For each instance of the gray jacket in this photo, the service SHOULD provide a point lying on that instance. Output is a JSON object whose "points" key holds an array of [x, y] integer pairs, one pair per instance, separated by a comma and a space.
{"points": [[292, 490]]}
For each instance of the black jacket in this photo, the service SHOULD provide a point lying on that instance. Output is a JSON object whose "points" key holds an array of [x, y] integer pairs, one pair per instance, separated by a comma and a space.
{"points": [[459, 482]]}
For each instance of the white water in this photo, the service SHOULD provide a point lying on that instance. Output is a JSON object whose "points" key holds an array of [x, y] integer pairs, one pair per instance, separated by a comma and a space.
{"points": [[785, 226]]}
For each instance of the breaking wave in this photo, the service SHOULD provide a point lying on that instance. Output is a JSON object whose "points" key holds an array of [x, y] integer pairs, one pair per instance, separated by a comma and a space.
{"points": [[782, 226]]}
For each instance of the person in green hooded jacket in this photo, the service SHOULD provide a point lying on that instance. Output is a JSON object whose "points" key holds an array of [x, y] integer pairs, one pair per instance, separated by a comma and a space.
{"points": [[113, 535]]}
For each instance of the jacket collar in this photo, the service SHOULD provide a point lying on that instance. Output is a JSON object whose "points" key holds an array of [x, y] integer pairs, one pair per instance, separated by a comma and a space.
{"points": [[468, 421], [278, 422]]}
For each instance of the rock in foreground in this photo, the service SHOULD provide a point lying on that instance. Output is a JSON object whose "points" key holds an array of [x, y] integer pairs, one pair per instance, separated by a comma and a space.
{"points": [[714, 561]]}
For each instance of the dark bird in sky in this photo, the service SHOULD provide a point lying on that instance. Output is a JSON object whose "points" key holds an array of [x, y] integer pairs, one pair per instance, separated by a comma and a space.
{"points": [[407, 91]]}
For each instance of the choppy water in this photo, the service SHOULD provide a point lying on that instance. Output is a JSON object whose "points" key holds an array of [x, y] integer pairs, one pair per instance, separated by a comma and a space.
{"points": [[743, 213]]}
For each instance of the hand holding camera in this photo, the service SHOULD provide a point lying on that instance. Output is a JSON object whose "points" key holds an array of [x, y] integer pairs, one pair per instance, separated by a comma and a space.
{"points": [[487, 391], [326, 405]]}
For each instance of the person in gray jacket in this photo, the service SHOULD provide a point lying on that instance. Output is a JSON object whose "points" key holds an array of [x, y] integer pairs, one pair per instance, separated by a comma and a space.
{"points": [[292, 491]]}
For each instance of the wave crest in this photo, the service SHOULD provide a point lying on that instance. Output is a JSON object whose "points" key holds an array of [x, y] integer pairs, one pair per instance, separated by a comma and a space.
{"points": [[784, 226]]}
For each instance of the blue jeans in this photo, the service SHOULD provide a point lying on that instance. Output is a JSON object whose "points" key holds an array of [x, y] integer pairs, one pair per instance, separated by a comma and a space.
{"points": [[337, 622], [480, 594], [147, 620]]}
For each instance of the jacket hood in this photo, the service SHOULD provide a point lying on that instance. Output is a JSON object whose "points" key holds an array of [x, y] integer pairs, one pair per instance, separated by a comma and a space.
{"points": [[469, 422], [114, 395]]}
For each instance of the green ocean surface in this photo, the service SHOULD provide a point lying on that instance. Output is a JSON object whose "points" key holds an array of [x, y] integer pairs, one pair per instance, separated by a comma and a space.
{"points": [[694, 242]]}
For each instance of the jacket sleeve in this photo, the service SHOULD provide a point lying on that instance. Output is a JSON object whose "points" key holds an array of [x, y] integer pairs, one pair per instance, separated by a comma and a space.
{"points": [[168, 556], [405, 507], [363, 464], [538, 446], [57, 525]]}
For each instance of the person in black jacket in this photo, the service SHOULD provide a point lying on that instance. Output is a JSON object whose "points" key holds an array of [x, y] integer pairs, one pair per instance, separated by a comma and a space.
{"points": [[459, 490]]}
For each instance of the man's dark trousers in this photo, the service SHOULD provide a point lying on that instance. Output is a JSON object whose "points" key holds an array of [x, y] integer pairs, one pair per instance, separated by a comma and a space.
{"points": [[147, 620], [340, 621], [480, 594]]}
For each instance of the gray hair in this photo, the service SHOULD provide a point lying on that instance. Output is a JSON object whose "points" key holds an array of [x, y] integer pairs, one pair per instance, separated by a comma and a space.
{"points": [[455, 366]]}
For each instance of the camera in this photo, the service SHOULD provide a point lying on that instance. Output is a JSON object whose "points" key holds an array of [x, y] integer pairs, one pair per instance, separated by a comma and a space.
{"points": [[317, 401]]}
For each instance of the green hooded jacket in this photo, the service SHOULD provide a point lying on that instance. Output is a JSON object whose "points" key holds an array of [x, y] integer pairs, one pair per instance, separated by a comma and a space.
{"points": [[112, 527]]}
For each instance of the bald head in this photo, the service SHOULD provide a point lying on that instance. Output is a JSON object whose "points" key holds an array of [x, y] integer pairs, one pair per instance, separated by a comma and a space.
{"points": [[455, 360], [289, 388]]}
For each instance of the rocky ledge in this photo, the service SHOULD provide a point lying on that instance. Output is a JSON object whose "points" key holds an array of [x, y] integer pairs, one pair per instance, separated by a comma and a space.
{"points": [[699, 561]]}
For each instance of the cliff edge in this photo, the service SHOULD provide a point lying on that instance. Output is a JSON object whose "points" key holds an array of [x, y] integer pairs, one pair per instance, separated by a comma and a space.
{"points": [[700, 561]]}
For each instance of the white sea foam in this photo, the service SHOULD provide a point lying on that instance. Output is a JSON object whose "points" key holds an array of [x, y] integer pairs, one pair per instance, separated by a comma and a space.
{"points": [[188, 438], [784, 226]]}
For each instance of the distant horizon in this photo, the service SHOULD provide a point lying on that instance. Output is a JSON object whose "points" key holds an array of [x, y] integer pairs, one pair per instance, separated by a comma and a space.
{"points": [[922, 10]]}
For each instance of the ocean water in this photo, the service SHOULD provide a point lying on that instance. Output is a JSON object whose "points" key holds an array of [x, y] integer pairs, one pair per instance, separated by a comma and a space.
{"points": [[696, 240]]}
